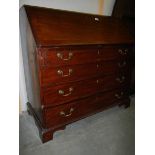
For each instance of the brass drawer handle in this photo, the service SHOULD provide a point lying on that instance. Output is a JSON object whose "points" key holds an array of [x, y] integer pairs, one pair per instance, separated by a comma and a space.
{"points": [[126, 50], [62, 113], [119, 96], [61, 92], [123, 64], [60, 55], [123, 52], [60, 72], [120, 79]]}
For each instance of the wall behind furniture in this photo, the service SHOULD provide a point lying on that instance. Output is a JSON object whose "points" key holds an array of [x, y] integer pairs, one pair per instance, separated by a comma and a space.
{"points": [[104, 7]]}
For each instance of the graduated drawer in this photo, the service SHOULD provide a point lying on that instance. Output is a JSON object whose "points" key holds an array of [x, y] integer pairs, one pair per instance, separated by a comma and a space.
{"points": [[72, 111], [68, 56], [111, 52], [82, 55], [60, 94], [62, 74]]}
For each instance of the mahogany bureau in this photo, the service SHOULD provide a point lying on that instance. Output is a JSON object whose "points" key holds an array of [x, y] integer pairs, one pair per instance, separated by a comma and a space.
{"points": [[77, 64]]}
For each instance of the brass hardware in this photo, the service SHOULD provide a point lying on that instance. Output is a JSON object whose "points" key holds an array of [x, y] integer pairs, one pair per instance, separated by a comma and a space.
{"points": [[123, 52], [97, 81], [122, 64], [61, 92], [62, 113], [60, 72], [98, 52], [119, 96], [42, 106], [120, 51], [60, 55], [121, 79], [126, 50], [96, 19], [97, 65]]}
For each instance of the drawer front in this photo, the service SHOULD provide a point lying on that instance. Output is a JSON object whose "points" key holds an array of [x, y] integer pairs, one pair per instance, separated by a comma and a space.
{"points": [[60, 94], [73, 56], [64, 114], [111, 67], [114, 52], [51, 76], [113, 81], [67, 56], [67, 74]]}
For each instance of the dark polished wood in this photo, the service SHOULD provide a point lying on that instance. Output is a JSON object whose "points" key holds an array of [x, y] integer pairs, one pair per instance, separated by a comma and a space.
{"points": [[51, 76], [79, 64], [82, 89], [45, 134], [72, 28], [71, 55], [125, 10], [75, 110]]}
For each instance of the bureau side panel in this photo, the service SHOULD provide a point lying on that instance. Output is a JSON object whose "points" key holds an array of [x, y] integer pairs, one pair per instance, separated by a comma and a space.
{"points": [[30, 64]]}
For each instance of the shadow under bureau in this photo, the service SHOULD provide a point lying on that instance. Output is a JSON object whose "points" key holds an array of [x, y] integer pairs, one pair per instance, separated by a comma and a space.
{"points": [[76, 65]]}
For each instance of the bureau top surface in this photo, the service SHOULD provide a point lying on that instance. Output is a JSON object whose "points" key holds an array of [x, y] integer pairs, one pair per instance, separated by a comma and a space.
{"points": [[52, 27]]}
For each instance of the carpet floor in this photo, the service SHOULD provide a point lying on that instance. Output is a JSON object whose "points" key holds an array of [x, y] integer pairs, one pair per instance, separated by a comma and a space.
{"points": [[111, 132]]}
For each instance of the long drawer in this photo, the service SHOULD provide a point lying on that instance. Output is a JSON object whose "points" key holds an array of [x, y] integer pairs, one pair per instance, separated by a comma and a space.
{"points": [[57, 75], [82, 55], [59, 94], [66, 113]]}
